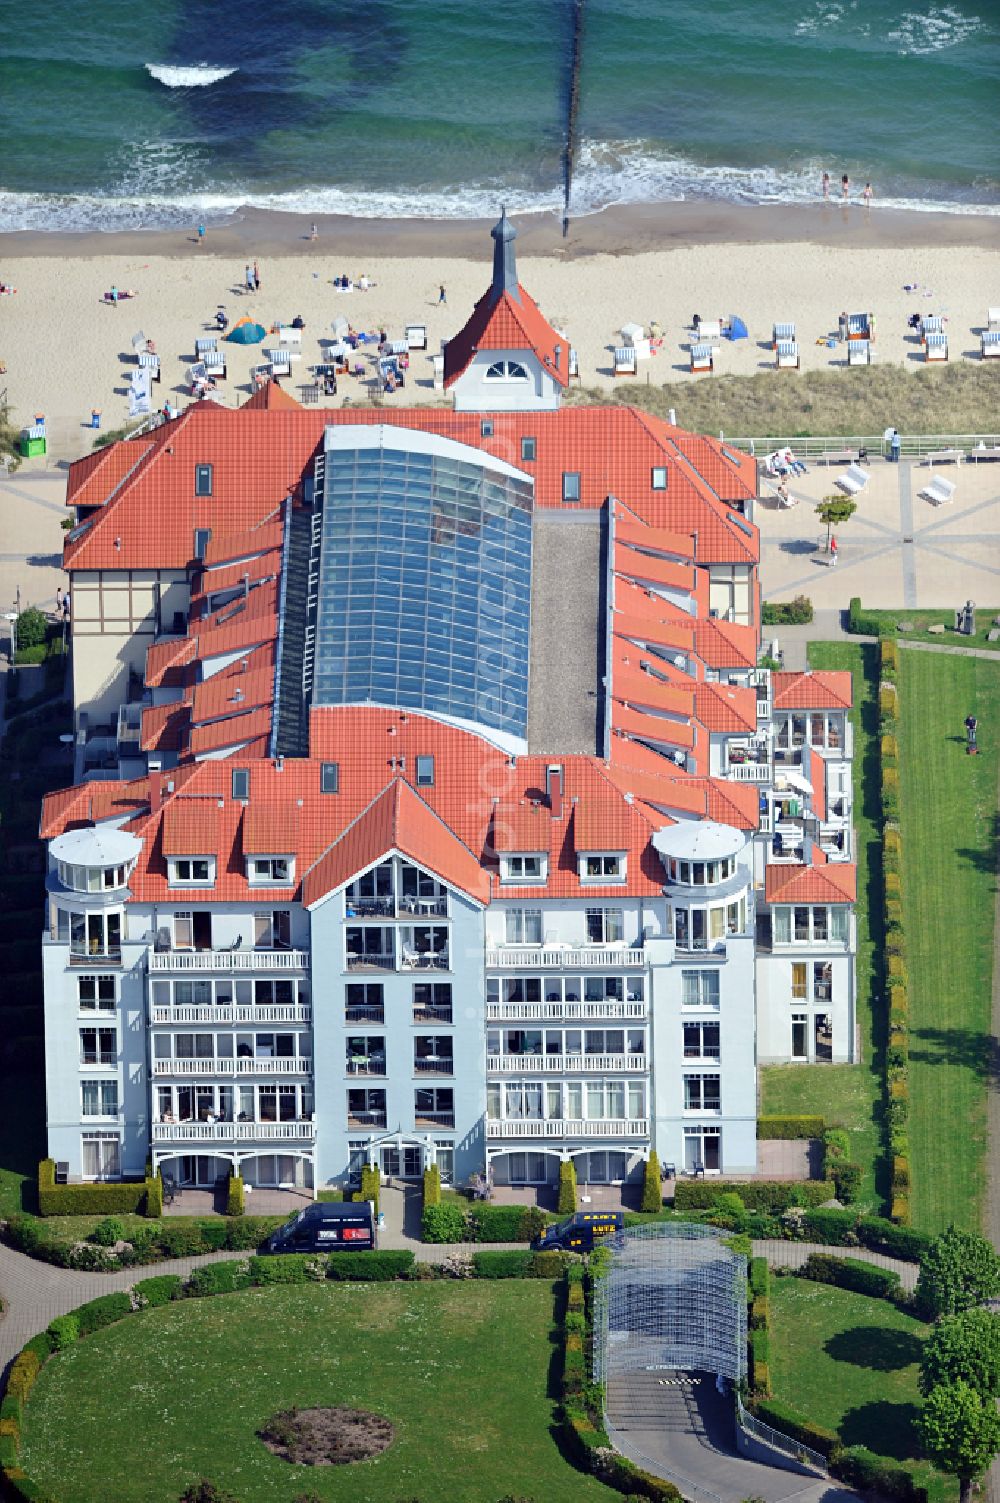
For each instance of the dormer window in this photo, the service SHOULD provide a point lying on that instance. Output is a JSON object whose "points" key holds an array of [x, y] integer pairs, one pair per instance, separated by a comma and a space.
{"points": [[602, 867], [506, 370], [532, 868], [188, 871], [270, 871]]}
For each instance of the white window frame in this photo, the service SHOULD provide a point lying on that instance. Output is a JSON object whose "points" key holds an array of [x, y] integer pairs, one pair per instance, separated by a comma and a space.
{"points": [[102, 1088], [519, 918], [691, 1077], [513, 868], [99, 1006], [617, 921], [180, 871], [506, 370], [261, 871], [702, 974], [613, 867], [101, 1141]]}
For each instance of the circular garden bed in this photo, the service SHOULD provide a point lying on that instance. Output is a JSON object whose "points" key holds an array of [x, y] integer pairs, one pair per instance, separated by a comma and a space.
{"points": [[326, 1437]]}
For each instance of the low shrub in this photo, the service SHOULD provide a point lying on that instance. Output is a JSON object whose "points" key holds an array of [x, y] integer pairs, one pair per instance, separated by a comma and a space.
{"points": [[836, 1228], [109, 1231], [179, 1239], [785, 1419], [797, 612], [235, 1199], [158, 1291], [214, 1234], [432, 1186], [759, 1277], [888, 701], [370, 1267], [371, 1180], [574, 1366], [154, 1197], [889, 652], [900, 1208], [652, 1194], [100, 1312], [21, 1378], [445, 1222], [513, 1264], [242, 1235], [760, 1360], [551, 1265], [876, 1474], [847, 1178], [64, 1330], [217, 1278], [283, 1268], [773, 1196], [503, 1223], [900, 1173], [760, 1313], [852, 1273], [10, 1441], [789, 1127], [575, 1298], [566, 1204], [861, 623]]}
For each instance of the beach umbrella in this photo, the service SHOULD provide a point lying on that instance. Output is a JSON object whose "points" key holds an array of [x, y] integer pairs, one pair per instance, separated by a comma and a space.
{"points": [[246, 331]]}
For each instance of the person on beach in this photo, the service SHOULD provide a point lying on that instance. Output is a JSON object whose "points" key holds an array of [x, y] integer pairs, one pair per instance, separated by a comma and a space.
{"points": [[248, 277], [826, 185], [845, 187], [441, 294], [867, 195], [114, 296], [256, 277], [201, 234], [313, 233]]}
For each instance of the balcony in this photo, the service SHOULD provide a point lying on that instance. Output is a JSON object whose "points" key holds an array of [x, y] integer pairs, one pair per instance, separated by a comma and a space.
{"points": [[365, 1013], [749, 770], [242, 1066], [371, 962], [532, 1127], [396, 908], [81, 955], [559, 1064], [434, 1064], [434, 1119], [564, 957], [228, 960], [229, 1132], [365, 1119], [239, 1012], [432, 1013], [365, 1064], [518, 1012]]}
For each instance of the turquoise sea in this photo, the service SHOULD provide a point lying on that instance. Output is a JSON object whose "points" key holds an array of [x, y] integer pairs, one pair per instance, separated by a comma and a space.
{"points": [[114, 115]]}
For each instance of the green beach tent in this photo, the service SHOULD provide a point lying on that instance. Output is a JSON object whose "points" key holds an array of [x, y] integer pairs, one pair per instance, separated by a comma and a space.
{"points": [[246, 331]]}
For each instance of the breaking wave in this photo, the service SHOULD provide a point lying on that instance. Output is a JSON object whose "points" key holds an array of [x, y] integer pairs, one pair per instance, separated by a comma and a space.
{"points": [[196, 77]]}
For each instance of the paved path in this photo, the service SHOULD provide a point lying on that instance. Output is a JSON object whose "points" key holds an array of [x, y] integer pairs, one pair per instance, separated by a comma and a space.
{"points": [[961, 652], [794, 1255], [992, 1207]]}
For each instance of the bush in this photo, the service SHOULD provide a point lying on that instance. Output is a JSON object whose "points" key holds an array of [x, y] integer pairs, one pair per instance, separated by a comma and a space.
{"points": [[125, 1199], [760, 1313], [235, 1199], [109, 1231], [876, 1474], [888, 701], [889, 652], [835, 1228], [797, 612], [370, 1267], [154, 1197], [789, 1127], [161, 1290], [432, 1186], [532, 1223], [566, 1204], [551, 1265], [10, 1440], [32, 628], [652, 1195], [861, 623], [852, 1273], [498, 1223], [370, 1182], [217, 1278], [782, 1418], [773, 1196], [177, 1239], [502, 1265], [282, 1268], [847, 1178], [900, 1173], [246, 1233], [445, 1222], [64, 1330], [760, 1359], [100, 1312], [760, 1277]]}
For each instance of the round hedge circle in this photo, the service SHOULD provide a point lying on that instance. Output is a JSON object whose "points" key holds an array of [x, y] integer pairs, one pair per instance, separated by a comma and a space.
{"points": [[326, 1437]]}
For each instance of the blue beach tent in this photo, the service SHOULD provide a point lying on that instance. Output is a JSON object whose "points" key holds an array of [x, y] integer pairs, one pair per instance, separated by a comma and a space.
{"points": [[245, 331], [737, 328]]}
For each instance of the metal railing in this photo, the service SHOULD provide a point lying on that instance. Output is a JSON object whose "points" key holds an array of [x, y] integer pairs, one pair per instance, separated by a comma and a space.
{"points": [[219, 1132], [804, 1454], [229, 960], [242, 1066], [535, 1064], [564, 957], [554, 1012], [910, 445], [536, 1127], [240, 1012]]}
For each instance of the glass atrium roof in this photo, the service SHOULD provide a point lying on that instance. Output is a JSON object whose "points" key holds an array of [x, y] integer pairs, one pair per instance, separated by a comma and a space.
{"points": [[424, 592]]}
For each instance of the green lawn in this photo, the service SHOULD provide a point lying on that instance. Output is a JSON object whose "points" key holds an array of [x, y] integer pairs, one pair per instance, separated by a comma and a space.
{"points": [[944, 616], [949, 825], [463, 1370], [851, 1095], [850, 1363]]}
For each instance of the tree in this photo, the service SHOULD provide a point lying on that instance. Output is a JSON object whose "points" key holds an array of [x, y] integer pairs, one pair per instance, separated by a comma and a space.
{"points": [[31, 627], [963, 1349], [960, 1430], [10, 455], [652, 1193], [833, 511], [958, 1270]]}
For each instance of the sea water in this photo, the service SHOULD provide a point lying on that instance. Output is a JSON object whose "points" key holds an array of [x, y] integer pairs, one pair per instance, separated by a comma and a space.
{"points": [[117, 116]]}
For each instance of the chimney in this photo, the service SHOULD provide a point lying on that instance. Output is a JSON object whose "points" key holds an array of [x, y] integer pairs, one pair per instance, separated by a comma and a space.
{"points": [[553, 788], [154, 793]]}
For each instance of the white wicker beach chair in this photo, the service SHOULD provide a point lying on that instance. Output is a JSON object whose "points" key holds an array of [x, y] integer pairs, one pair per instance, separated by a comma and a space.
{"points": [[787, 354], [936, 347], [859, 352], [625, 360], [702, 358], [781, 332], [416, 336], [208, 343], [990, 344]]}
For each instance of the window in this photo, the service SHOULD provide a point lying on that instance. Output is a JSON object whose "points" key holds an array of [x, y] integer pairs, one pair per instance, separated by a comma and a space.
{"points": [[184, 931], [99, 1098], [203, 479], [486, 428], [839, 925], [810, 925], [701, 1040], [425, 772], [241, 783], [799, 1035], [329, 777], [96, 993], [202, 537], [702, 1093], [432, 1002], [98, 1046], [506, 370], [523, 926], [602, 868], [271, 869], [366, 1108], [702, 1150], [191, 869], [571, 485], [658, 479], [799, 982], [101, 1156], [272, 929], [523, 869], [700, 988], [605, 926], [434, 1107], [528, 450]]}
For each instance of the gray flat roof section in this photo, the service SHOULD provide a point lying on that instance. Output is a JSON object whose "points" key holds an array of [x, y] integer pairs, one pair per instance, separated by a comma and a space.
{"points": [[565, 698]]}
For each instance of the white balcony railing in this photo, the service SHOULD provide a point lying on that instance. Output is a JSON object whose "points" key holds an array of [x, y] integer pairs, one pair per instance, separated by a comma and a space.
{"points": [[232, 1067], [557, 1064], [566, 957], [240, 1012], [530, 1127], [556, 1011], [228, 960], [749, 772], [228, 1132]]}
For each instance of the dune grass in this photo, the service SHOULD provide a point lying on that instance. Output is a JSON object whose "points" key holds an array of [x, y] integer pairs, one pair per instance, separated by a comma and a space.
{"points": [[961, 398]]}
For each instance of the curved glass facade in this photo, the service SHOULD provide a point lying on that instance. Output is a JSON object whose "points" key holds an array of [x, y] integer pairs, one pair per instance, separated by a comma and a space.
{"points": [[424, 595]]}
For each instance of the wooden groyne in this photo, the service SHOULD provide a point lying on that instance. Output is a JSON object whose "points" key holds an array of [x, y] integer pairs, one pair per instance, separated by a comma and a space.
{"points": [[572, 106]]}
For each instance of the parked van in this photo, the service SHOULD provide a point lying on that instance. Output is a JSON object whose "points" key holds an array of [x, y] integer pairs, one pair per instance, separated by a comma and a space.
{"points": [[579, 1232], [327, 1226]]}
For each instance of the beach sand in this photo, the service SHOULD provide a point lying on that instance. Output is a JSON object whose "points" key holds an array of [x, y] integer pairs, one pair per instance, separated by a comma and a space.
{"points": [[67, 351]]}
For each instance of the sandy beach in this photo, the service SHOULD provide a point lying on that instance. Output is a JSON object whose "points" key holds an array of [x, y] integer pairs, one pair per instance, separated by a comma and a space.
{"points": [[67, 351]]}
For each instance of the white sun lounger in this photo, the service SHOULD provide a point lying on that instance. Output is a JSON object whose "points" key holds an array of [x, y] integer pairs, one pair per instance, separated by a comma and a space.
{"points": [[990, 344], [781, 332], [939, 490], [416, 336], [288, 335], [936, 346], [702, 358], [625, 360], [787, 355], [859, 352], [853, 480]]}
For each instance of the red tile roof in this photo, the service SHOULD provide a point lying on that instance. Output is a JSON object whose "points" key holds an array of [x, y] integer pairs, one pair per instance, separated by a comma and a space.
{"points": [[166, 727], [223, 548], [233, 732], [232, 693], [503, 323], [726, 708], [270, 396], [192, 826], [817, 690], [725, 644], [270, 829], [836, 882]]}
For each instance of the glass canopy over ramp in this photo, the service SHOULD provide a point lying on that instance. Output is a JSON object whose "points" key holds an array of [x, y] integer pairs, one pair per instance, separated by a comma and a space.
{"points": [[423, 593]]}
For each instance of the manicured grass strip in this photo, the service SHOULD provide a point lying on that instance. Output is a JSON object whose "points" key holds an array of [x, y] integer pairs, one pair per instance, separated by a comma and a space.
{"points": [[461, 1369], [944, 616], [850, 1363], [948, 820], [851, 1095]]}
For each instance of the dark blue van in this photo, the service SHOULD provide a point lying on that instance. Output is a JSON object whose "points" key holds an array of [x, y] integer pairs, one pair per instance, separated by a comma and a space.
{"points": [[579, 1232], [326, 1226]]}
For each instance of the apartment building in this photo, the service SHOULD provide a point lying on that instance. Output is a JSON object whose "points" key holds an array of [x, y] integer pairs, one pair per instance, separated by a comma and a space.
{"points": [[448, 817]]}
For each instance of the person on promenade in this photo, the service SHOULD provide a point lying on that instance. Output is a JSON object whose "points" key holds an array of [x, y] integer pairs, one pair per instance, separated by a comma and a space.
{"points": [[834, 553], [826, 185], [313, 233], [441, 294]]}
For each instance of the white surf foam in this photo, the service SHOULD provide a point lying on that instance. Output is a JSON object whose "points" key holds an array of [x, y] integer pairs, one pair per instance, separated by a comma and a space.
{"points": [[196, 77]]}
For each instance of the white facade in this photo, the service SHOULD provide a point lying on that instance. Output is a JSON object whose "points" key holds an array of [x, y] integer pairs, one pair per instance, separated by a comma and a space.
{"points": [[506, 381]]}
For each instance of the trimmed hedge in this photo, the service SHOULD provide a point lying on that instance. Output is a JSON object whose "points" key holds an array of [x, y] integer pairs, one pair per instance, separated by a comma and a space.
{"points": [[128, 1198], [566, 1203], [235, 1199], [789, 1127], [852, 1273], [876, 1474], [64, 1331], [782, 1418], [443, 1223], [370, 1267], [797, 612], [101, 1312], [161, 1290], [652, 1194], [502, 1265], [284, 1268], [432, 1186], [759, 1277], [154, 1197], [216, 1278], [371, 1181], [863, 625], [773, 1196]]}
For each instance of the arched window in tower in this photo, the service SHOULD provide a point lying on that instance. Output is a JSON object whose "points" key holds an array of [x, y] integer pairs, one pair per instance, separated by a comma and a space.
{"points": [[506, 370]]}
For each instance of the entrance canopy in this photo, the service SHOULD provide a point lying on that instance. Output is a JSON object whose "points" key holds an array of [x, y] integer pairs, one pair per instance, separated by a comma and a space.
{"points": [[675, 1297]]}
